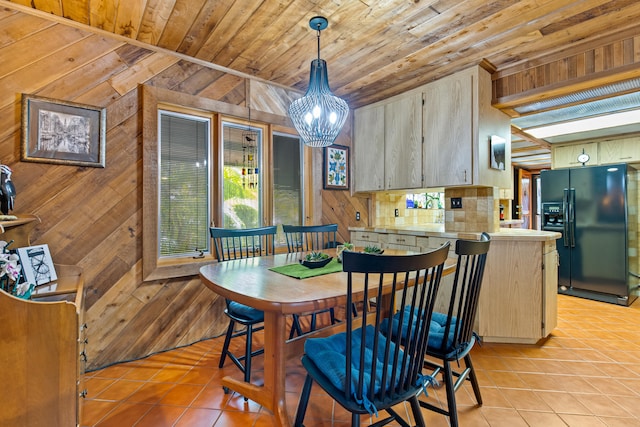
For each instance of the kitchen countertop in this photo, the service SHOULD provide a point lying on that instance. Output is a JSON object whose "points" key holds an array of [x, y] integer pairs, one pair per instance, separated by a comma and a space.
{"points": [[437, 230]]}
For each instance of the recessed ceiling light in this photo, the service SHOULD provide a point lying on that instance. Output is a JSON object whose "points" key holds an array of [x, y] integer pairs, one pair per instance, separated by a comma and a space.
{"points": [[584, 125]]}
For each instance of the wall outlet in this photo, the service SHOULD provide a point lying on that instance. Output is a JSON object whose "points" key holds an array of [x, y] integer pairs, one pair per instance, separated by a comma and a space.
{"points": [[456, 203], [357, 216], [396, 212]]}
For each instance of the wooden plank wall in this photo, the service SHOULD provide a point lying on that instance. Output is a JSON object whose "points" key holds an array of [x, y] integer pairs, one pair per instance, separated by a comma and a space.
{"points": [[590, 67], [92, 217]]}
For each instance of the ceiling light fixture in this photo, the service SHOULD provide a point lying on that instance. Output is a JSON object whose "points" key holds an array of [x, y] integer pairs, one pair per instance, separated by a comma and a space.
{"points": [[319, 115], [584, 125]]}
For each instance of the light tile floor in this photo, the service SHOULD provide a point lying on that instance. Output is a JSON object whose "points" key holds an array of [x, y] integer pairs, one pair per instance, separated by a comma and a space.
{"points": [[585, 374]]}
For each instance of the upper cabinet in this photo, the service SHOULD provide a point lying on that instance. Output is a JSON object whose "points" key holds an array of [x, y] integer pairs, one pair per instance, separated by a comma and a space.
{"points": [[566, 156], [388, 154], [624, 150], [368, 153], [448, 131], [437, 135], [604, 152], [458, 124], [403, 142]]}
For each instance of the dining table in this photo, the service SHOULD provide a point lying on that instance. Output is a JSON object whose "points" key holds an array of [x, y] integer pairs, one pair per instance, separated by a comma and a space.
{"points": [[251, 281]]}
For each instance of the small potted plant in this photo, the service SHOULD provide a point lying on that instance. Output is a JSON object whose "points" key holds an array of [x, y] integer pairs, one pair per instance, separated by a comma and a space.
{"points": [[373, 249]]}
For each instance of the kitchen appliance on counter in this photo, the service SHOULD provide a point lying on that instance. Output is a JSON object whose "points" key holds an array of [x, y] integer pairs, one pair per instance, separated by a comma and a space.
{"points": [[595, 210]]}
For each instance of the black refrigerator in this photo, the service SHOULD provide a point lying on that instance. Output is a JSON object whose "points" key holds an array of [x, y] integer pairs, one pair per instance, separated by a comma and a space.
{"points": [[595, 210]]}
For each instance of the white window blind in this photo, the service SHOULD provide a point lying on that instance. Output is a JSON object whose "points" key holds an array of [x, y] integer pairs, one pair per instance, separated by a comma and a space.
{"points": [[184, 184]]}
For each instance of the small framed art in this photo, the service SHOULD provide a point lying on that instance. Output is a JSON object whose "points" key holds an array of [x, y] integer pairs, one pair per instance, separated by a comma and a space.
{"points": [[37, 264], [335, 171]]}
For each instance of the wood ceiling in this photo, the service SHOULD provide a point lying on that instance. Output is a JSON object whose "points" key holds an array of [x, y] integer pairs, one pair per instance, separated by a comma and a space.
{"points": [[374, 48]]}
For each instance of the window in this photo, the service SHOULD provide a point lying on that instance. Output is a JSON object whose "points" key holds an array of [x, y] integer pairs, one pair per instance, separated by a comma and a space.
{"points": [[287, 182], [193, 157], [242, 184], [184, 184]]}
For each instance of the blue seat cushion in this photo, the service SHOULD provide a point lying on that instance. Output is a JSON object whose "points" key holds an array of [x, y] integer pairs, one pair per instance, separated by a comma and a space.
{"points": [[329, 355], [436, 328], [245, 312]]}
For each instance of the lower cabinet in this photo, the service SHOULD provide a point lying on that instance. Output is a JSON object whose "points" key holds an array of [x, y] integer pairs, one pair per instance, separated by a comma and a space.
{"points": [[41, 354], [518, 302]]}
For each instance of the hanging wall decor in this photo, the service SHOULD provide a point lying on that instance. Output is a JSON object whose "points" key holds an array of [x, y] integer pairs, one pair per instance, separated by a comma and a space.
{"points": [[62, 132], [335, 169]]}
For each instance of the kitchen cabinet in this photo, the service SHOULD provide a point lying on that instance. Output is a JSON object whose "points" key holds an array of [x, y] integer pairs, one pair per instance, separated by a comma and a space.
{"points": [[436, 135], [519, 291], [368, 150], [448, 128], [388, 144], [518, 301], [458, 122], [624, 150], [403, 142], [566, 156]]}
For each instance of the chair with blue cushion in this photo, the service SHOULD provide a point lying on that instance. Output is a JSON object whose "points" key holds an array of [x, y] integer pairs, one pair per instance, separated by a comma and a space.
{"points": [[451, 337], [305, 238], [230, 244], [360, 368]]}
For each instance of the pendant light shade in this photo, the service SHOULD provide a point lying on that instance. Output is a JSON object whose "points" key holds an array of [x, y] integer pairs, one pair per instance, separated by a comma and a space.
{"points": [[319, 115]]}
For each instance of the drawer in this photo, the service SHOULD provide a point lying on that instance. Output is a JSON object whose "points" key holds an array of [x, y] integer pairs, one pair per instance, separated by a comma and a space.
{"points": [[401, 239], [364, 236]]}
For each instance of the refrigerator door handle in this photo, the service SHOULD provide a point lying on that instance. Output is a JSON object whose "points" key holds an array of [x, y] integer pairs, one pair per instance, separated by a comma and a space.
{"points": [[572, 216], [565, 216]]}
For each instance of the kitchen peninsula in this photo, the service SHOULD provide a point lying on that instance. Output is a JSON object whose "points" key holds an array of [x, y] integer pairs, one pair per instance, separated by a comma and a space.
{"points": [[518, 298]]}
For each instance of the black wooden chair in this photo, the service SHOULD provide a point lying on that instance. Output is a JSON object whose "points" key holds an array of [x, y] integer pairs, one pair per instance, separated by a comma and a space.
{"points": [[457, 325], [304, 238], [361, 369], [232, 244]]}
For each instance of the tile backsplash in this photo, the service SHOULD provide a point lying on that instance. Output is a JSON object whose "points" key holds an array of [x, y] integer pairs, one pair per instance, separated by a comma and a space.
{"points": [[480, 210]]}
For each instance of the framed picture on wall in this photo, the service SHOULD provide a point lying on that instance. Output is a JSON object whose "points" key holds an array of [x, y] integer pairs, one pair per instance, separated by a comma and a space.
{"points": [[62, 132], [498, 152], [37, 265], [335, 171]]}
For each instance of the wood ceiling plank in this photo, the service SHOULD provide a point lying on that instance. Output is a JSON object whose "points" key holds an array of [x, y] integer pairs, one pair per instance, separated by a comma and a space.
{"points": [[154, 20], [183, 15], [227, 29], [48, 6], [452, 52], [76, 10], [128, 17], [103, 13], [208, 18]]}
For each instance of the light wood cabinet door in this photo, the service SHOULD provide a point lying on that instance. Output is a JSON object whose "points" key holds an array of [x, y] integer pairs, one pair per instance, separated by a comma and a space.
{"points": [[447, 130], [403, 142], [550, 286], [566, 156], [619, 151], [368, 148]]}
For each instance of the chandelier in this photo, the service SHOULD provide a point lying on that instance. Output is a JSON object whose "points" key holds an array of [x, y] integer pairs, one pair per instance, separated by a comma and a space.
{"points": [[319, 115]]}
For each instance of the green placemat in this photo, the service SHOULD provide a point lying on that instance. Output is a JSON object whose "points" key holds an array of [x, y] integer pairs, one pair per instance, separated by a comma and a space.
{"points": [[299, 271]]}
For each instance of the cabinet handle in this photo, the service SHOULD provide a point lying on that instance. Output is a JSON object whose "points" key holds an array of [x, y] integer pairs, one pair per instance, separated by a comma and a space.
{"points": [[83, 356], [83, 393], [84, 326]]}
